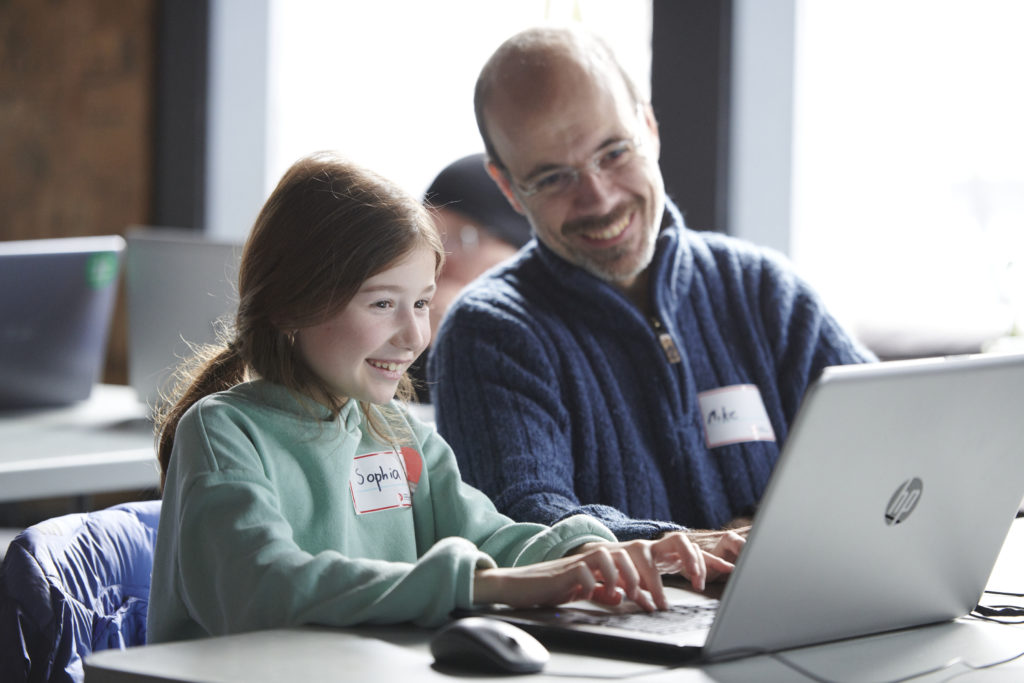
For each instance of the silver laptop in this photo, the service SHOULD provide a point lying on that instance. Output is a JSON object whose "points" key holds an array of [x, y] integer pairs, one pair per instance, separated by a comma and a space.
{"points": [[56, 303], [887, 509], [179, 285]]}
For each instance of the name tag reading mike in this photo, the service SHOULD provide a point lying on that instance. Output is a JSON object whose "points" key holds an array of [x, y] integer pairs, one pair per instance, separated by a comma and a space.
{"points": [[378, 482], [734, 414]]}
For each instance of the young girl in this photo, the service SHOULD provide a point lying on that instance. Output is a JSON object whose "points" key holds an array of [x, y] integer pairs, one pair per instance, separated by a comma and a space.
{"points": [[297, 490]]}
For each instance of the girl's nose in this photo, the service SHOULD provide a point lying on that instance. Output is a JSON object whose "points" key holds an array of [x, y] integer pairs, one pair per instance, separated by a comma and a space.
{"points": [[414, 331]]}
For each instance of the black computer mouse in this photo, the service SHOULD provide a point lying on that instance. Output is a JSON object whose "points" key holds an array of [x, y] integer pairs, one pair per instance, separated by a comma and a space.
{"points": [[488, 645]]}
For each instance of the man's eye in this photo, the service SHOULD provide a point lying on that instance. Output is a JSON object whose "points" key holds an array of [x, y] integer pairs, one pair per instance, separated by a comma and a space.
{"points": [[552, 180], [616, 155]]}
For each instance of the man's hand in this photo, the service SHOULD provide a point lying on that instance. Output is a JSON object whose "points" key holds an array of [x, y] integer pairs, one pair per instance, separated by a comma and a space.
{"points": [[725, 544], [604, 571]]}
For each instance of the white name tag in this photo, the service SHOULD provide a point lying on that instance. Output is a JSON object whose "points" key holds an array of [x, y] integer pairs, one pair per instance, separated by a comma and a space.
{"points": [[734, 414], [378, 483]]}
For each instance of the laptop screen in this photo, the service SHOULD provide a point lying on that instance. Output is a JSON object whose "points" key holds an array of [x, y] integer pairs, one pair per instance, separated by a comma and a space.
{"points": [[56, 303], [179, 286]]}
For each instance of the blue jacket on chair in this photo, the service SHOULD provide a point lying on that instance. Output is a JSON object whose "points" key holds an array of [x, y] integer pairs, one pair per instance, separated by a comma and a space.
{"points": [[72, 585]]}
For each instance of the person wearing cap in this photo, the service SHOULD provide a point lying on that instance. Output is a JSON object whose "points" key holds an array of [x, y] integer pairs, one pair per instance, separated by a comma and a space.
{"points": [[621, 364], [479, 228]]}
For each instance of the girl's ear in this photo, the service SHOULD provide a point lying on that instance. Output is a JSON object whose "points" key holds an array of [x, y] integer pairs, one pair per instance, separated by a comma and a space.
{"points": [[499, 177]]}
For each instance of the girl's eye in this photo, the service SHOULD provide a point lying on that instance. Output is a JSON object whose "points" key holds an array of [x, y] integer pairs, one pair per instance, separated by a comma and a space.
{"points": [[423, 303], [382, 304]]}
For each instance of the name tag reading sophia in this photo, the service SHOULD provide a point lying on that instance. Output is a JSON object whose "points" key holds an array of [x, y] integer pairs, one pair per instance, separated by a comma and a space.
{"points": [[734, 414], [378, 482]]}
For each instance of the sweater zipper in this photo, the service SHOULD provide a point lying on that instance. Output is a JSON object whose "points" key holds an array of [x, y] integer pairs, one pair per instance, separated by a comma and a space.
{"points": [[667, 345]]}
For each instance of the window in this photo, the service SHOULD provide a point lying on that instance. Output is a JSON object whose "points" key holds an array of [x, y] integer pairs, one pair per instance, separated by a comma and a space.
{"points": [[908, 168], [389, 84]]}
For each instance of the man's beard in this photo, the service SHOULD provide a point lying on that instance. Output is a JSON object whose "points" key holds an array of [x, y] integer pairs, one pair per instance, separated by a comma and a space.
{"points": [[618, 263]]}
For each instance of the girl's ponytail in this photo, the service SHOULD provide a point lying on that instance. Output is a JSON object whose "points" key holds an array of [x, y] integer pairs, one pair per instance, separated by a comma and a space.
{"points": [[212, 369]]}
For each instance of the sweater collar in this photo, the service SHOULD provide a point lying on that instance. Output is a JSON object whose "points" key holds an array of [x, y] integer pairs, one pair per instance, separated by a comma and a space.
{"points": [[672, 265]]}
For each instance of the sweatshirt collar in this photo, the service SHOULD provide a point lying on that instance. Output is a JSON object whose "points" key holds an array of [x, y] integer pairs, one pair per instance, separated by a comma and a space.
{"points": [[289, 401]]}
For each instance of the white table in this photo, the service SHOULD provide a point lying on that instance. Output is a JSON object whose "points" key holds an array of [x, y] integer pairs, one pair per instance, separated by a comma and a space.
{"points": [[401, 653], [99, 445]]}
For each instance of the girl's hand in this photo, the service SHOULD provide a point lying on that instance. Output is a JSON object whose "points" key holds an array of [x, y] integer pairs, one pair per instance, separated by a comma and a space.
{"points": [[602, 572], [676, 553]]}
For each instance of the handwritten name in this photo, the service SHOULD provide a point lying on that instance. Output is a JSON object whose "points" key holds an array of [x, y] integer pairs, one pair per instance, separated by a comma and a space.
{"points": [[376, 478], [721, 416]]}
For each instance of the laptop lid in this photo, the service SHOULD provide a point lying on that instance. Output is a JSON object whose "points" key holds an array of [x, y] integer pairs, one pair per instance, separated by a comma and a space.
{"points": [[56, 303], [179, 285], [899, 484], [887, 509]]}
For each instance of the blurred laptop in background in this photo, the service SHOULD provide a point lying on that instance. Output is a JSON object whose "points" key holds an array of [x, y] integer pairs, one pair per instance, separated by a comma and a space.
{"points": [[56, 303], [179, 285]]}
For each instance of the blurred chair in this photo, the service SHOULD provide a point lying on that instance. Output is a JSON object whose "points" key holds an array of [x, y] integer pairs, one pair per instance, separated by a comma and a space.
{"points": [[74, 584]]}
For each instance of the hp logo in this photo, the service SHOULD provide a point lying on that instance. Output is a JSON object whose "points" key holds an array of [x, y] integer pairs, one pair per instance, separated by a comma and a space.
{"points": [[903, 501]]}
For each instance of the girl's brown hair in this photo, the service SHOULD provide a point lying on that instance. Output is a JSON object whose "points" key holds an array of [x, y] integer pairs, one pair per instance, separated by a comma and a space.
{"points": [[327, 227]]}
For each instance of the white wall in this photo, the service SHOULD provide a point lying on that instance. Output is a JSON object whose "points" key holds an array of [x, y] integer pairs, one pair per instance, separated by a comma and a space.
{"points": [[761, 146]]}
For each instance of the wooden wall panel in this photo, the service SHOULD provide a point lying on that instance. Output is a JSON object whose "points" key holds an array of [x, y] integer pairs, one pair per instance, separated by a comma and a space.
{"points": [[76, 111]]}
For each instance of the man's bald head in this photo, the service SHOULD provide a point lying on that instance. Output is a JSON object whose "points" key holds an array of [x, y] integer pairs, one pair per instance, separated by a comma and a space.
{"points": [[531, 67]]}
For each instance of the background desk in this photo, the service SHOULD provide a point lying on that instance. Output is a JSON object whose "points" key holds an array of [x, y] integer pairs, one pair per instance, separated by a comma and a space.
{"points": [[401, 653], [103, 444], [100, 445]]}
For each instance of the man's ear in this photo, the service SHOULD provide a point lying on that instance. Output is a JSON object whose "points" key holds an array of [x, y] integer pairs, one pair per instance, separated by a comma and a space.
{"points": [[499, 177]]}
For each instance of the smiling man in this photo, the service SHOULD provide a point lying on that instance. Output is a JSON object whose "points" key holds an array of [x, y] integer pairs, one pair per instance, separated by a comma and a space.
{"points": [[621, 365], [578, 155]]}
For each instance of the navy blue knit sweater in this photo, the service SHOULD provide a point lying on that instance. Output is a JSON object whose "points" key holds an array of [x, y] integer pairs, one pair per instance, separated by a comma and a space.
{"points": [[556, 395]]}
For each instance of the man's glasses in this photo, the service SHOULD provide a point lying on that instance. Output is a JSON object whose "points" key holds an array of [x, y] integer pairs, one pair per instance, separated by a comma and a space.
{"points": [[557, 181]]}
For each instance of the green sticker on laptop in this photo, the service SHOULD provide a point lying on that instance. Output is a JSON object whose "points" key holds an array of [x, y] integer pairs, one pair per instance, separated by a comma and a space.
{"points": [[101, 269]]}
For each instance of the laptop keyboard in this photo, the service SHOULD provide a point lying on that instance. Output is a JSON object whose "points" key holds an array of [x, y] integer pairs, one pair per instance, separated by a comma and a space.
{"points": [[676, 619]]}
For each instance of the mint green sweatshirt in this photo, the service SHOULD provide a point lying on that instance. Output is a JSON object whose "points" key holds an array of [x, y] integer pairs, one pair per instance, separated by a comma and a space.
{"points": [[274, 515]]}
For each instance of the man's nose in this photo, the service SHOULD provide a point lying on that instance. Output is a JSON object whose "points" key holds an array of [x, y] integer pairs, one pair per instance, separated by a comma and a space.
{"points": [[593, 188]]}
